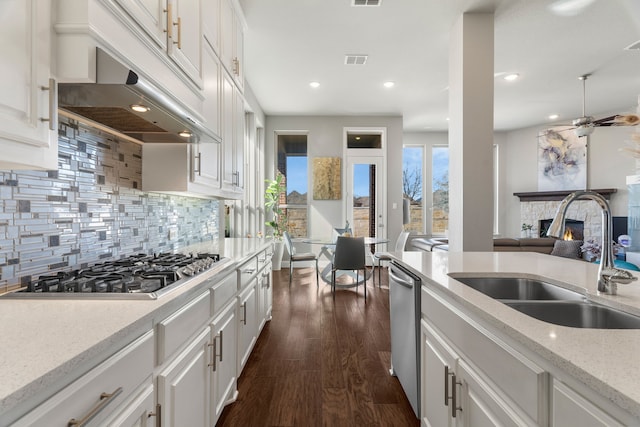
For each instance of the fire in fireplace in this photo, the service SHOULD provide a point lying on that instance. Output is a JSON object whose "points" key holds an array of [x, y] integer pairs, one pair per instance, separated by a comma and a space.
{"points": [[573, 229]]}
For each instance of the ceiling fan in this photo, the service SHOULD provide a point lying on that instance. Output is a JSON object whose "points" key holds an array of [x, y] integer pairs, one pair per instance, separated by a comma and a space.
{"points": [[585, 125]]}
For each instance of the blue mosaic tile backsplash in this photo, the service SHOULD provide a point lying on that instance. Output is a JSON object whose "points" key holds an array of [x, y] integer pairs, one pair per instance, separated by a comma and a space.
{"points": [[90, 209]]}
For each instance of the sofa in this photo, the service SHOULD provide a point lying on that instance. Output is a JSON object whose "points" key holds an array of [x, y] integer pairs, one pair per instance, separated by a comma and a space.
{"points": [[542, 245]]}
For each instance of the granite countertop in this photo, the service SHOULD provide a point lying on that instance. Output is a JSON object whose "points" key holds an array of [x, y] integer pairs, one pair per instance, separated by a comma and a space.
{"points": [[605, 360], [47, 343]]}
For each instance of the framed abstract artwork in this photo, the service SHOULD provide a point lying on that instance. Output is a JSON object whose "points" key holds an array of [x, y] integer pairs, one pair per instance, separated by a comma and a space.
{"points": [[562, 160], [327, 184]]}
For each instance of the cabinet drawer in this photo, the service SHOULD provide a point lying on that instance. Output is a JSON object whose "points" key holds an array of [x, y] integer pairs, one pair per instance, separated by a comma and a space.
{"points": [[263, 259], [121, 374], [174, 331], [223, 291], [247, 271], [519, 379]]}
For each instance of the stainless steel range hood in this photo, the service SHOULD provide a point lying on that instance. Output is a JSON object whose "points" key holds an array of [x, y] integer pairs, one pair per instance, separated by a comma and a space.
{"points": [[107, 103]]}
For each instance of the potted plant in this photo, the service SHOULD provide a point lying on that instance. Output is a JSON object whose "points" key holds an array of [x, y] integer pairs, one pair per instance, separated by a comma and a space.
{"points": [[526, 230], [278, 223]]}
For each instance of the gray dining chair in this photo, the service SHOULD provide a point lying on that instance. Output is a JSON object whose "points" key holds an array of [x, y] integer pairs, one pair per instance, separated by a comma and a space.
{"points": [[378, 257], [349, 255], [298, 257]]}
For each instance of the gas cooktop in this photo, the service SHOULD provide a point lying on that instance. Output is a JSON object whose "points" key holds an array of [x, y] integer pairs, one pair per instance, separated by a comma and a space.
{"points": [[139, 276]]}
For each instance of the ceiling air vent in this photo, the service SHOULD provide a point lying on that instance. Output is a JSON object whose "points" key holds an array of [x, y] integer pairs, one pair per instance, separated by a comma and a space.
{"points": [[633, 46], [366, 2], [355, 59]]}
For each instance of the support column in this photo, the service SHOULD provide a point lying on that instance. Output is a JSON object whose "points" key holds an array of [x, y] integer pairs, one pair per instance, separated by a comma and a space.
{"points": [[471, 133]]}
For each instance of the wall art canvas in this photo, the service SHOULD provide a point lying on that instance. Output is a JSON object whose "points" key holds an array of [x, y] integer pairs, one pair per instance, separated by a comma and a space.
{"points": [[562, 160], [327, 184]]}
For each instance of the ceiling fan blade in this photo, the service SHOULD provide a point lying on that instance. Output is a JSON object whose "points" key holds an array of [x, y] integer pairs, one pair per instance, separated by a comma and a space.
{"points": [[569, 7], [604, 121]]}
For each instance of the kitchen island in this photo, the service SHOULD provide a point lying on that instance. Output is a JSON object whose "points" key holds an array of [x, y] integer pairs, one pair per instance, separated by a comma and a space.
{"points": [[49, 343], [595, 370]]}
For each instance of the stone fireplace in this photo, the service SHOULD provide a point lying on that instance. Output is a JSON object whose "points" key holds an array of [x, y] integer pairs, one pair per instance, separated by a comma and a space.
{"points": [[538, 209]]}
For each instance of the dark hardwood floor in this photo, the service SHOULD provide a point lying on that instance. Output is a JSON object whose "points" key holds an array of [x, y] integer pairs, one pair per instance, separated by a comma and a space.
{"points": [[321, 362]]}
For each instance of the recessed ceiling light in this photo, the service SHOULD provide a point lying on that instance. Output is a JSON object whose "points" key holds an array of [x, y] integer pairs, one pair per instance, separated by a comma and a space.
{"points": [[389, 84], [511, 77], [447, 118], [553, 116], [185, 134], [140, 108], [314, 84]]}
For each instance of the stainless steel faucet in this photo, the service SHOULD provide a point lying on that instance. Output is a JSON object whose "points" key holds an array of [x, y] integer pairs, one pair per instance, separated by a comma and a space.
{"points": [[608, 275]]}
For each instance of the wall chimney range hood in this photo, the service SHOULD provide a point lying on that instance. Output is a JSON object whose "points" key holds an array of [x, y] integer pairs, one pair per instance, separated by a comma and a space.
{"points": [[107, 105]]}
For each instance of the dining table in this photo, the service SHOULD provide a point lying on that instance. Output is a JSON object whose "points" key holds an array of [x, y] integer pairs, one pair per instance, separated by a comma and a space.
{"points": [[328, 245]]}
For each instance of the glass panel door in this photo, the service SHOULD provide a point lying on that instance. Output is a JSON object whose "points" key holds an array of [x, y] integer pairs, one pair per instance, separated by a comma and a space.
{"points": [[364, 196]]}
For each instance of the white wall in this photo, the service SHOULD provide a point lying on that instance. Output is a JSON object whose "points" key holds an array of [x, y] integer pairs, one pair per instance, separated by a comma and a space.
{"points": [[325, 139], [607, 168]]}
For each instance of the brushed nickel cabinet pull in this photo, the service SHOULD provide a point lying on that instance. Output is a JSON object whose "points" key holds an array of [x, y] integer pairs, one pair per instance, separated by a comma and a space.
{"points": [[53, 99], [244, 310], [199, 163], [169, 29], [221, 341], [178, 23], [454, 396], [236, 66], [157, 414], [446, 386], [213, 354], [105, 399]]}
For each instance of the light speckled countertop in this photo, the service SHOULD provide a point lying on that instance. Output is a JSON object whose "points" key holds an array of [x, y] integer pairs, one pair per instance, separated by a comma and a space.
{"points": [[47, 343], [608, 361]]}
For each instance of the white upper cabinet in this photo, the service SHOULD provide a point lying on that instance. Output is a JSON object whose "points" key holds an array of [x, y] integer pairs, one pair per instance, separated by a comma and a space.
{"points": [[185, 37], [232, 42], [211, 23], [190, 169], [174, 26], [28, 96], [151, 16], [232, 138]]}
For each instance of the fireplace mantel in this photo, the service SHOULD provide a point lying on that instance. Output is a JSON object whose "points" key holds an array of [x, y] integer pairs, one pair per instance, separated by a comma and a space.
{"points": [[538, 196]]}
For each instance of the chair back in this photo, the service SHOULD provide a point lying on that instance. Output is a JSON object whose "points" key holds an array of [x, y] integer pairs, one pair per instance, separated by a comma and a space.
{"points": [[349, 254], [339, 232], [288, 243], [401, 243]]}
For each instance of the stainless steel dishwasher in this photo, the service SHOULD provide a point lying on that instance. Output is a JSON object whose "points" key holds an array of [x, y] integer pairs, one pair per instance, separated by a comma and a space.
{"points": [[404, 312]]}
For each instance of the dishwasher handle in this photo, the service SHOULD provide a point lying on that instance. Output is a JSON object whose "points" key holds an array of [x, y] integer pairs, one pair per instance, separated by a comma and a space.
{"points": [[399, 280]]}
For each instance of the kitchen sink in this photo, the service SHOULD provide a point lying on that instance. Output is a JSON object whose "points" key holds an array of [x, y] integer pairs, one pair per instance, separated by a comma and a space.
{"points": [[577, 314], [518, 288]]}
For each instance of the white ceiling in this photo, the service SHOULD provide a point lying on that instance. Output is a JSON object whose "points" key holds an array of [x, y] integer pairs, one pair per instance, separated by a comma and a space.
{"points": [[289, 43]]}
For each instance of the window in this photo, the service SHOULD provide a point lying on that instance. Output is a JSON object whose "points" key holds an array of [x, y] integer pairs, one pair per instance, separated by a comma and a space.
{"points": [[412, 178], [293, 165], [440, 189]]}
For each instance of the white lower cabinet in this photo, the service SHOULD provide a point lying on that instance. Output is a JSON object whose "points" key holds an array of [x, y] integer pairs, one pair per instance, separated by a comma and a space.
{"points": [[248, 322], [106, 391], [437, 361], [473, 376], [458, 396], [223, 360], [569, 408], [184, 385], [266, 294], [470, 378], [139, 412]]}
